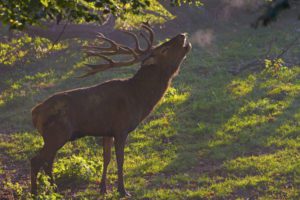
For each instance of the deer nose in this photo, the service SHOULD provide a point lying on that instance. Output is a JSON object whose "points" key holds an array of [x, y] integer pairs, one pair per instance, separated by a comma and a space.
{"points": [[182, 36]]}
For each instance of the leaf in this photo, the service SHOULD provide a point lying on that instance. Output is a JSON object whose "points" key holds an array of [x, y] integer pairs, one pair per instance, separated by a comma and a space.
{"points": [[45, 3]]}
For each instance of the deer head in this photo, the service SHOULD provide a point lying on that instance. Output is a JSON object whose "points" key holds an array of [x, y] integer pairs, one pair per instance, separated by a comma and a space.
{"points": [[169, 54]]}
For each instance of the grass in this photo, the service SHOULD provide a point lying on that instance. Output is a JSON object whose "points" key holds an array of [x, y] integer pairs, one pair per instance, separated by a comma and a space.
{"points": [[213, 135]]}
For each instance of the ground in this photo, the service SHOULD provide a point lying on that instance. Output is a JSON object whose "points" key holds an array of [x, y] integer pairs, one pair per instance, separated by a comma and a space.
{"points": [[214, 135]]}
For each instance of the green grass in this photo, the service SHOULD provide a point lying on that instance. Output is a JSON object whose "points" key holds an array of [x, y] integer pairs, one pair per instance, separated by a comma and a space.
{"points": [[213, 135]]}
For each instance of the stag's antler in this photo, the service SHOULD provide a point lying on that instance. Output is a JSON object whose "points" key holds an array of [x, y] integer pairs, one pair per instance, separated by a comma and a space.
{"points": [[118, 49]]}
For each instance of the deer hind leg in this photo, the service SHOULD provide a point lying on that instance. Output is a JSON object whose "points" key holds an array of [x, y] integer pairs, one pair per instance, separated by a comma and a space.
{"points": [[54, 138], [48, 166], [44, 159], [36, 164], [119, 146], [107, 144]]}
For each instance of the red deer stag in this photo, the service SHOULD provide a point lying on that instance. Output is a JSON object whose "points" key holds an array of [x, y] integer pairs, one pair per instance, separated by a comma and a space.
{"points": [[111, 109]]}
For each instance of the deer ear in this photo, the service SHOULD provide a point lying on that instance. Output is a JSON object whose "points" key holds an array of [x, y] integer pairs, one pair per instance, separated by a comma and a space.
{"points": [[149, 61]]}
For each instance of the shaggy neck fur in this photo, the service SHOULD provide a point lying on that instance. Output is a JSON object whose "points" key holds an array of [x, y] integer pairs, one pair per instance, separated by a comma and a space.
{"points": [[149, 85]]}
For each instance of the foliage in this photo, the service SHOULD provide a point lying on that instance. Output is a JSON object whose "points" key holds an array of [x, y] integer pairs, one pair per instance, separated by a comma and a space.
{"points": [[47, 191], [155, 14], [76, 169], [18, 14], [276, 68], [14, 187]]}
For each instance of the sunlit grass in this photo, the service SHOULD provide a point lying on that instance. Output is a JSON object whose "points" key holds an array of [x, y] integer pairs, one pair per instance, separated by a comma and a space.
{"points": [[21, 146], [25, 48], [212, 136], [240, 88], [26, 86]]}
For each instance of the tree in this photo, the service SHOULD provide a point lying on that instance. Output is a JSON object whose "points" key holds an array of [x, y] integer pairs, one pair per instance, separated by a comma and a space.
{"points": [[19, 13]]}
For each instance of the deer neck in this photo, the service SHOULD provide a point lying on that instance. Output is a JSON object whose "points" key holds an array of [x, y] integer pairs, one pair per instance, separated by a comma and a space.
{"points": [[149, 85]]}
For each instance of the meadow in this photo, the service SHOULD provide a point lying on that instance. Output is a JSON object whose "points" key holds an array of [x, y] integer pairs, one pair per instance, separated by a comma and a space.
{"points": [[214, 135]]}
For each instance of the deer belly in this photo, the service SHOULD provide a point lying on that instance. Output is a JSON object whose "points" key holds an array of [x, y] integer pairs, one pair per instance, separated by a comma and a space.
{"points": [[94, 128]]}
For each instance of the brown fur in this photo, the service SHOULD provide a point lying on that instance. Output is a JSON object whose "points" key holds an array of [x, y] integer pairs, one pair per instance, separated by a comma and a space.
{"points": [[111, 110]]}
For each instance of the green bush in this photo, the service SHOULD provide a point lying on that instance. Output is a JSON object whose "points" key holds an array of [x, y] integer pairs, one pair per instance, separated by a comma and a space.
{"points": [[76, 168]]}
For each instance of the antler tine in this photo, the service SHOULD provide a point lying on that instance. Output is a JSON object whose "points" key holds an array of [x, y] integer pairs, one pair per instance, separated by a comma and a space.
{"points": [[105, 58], [100, 34], [97, 68], [114, 48], [111, 63], [131, 51], [137, 44], [90, 72], [113, 44], [101, 67], [148, 42], [147, 26], [96, 51]]}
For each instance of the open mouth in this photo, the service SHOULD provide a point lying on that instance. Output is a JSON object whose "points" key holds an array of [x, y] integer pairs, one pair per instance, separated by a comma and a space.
{"points": [[185, 41], [186, 44]]}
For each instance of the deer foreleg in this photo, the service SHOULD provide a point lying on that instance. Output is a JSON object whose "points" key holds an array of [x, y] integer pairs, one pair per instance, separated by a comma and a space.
{"points": [[36, 164], [107, 143], [48, 168], [119, 146], [54, 138]]}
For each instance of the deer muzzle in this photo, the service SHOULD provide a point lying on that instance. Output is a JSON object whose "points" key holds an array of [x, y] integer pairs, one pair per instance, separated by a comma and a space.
{"points": [[184, 41]]}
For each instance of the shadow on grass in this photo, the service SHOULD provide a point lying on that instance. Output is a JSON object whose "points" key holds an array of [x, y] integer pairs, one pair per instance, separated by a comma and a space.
{"points": [[210, 135], [30, 85]]}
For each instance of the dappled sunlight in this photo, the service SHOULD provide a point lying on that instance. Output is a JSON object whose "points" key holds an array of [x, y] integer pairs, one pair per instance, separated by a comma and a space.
{"points": [[249, 119], [212, 136], [260, 171], [27, 86], [26, 49], [172, 96], [20, 146], [250, 123], [223, 187], [22, 93], [253, 114], [77, 169], [255, 127], [288, 133], [157, 134], [281, 165], [280, 162], [240, 88]]}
